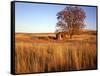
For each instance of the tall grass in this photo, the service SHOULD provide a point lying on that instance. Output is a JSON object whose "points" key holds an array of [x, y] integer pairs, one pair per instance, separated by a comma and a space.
{"points": [[50, 57]]}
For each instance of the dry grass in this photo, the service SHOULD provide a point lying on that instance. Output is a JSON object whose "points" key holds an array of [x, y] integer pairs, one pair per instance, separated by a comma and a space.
{"points": [[37, 55]]}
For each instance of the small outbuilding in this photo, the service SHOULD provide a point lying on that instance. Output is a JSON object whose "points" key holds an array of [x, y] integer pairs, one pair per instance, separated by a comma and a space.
{"points": [[60, 35]]}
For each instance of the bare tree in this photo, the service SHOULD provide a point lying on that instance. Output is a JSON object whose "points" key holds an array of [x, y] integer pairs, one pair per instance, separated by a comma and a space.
{"points": [[71, 20]]}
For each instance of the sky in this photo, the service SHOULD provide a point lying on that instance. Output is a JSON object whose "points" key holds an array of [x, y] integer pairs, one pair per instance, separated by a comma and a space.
{"points": [[41, 18]]}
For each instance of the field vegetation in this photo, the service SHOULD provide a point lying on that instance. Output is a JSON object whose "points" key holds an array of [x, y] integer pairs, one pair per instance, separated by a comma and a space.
{"points": [[42, 52]]}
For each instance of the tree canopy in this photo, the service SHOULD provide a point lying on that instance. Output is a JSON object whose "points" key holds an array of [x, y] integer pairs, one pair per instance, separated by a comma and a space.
{"points": [[71, 20]]}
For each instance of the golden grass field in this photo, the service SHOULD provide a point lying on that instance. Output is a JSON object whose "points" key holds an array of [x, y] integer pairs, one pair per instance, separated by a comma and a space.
{"points": [[40, 53]]}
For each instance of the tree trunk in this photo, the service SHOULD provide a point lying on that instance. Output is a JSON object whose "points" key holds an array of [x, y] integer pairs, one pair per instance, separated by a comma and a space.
{"points": [[71, 35]]}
